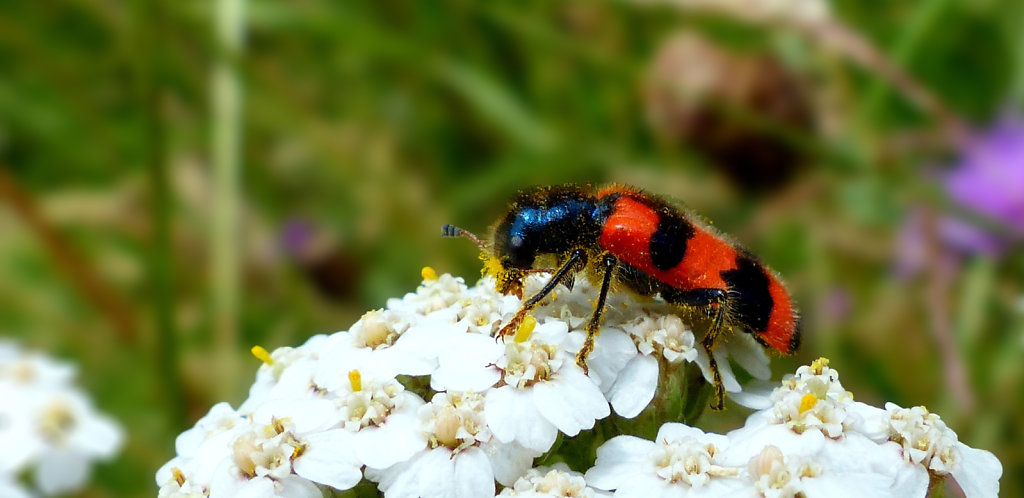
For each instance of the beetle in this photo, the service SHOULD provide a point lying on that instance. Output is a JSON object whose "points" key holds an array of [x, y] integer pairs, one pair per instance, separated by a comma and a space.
{"points": [[624, 237]]}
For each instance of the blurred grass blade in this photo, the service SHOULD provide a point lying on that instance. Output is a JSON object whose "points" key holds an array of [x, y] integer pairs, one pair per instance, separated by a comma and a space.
{"points": [[496, 105]]}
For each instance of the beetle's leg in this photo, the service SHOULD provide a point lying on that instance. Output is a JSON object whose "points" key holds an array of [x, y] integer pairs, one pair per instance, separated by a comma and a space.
{"points": [[715, 300], [594, 326], [566, 270]]}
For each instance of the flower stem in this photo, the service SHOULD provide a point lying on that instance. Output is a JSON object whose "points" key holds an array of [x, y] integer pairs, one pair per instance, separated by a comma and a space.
{"points": [[224, 236]]}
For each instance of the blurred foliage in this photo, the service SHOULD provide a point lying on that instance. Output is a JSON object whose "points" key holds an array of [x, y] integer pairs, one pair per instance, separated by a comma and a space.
{"points": [[376, 122]]}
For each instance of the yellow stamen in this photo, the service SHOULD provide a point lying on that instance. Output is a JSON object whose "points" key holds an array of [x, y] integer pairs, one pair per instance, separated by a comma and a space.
{"points": [[428, 273], [178, 475], [261, 354], [818, 365], [807, 402], [525, 329], [356, 379], [554, 296]]}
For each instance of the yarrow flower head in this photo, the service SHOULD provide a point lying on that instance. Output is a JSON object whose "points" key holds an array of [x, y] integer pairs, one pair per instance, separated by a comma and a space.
{"points": [[421, 399], [48, 426]]}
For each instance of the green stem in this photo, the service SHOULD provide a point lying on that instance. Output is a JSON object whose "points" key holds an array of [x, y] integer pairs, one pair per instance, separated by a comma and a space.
{"points": [[902, 53], [160, 259], [226, 102]]}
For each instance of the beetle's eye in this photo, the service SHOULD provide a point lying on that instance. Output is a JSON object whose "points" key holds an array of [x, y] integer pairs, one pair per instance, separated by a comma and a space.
{"points": [[516, 242]]}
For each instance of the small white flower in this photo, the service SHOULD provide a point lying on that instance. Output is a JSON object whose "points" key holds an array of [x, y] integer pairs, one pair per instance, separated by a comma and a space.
{"points": [[375, 408], [924, 439], [289, 447], [461, 459], [434, 294], [540, 389], [682, 461], [556, 481], [813, 399]]}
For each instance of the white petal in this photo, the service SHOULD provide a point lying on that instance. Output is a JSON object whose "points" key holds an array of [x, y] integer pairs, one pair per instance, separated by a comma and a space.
{"points": [[98, 436], [649, 486], [619, 459], [296, 487], [468, 365], [756, 395], [509, 461], [512, 416], [613, 349], [329, 459], [977, 472], [571, 401], [635, 386], [398, 439], [550, 332], [426, 474], [473, 474], [10, 489], [61, 472], [750, 355]]}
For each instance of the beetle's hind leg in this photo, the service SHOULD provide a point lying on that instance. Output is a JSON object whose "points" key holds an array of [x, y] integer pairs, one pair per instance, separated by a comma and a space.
{"points": [[608, 263], [715, 301], [709, 346]]}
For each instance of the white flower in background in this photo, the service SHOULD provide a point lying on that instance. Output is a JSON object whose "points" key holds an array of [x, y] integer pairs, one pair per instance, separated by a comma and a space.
{"points": [[682, 461], [924, 439], [48, 427], [11, 489], [461, 459], [555, 481]]}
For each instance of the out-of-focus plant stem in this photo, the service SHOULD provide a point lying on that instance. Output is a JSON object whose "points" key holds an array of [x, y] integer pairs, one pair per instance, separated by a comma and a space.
{"points": [[225, 233], [906, 45], [837, 36], [76, 268], [160, 258]]}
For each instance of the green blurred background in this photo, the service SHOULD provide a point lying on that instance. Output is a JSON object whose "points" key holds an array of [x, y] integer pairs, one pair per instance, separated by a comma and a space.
{"points": [[171, 195]]}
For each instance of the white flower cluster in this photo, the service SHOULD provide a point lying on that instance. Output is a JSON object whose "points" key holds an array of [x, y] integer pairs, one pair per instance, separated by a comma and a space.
{"points": [[48, 427], [420, 399], [356, 404]]}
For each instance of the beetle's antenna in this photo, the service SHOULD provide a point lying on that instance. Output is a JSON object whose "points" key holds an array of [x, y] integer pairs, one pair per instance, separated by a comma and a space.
{"points": [[454, 231]]}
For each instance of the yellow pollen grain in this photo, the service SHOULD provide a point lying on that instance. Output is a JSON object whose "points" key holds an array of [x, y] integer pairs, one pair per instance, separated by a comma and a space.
{"points": [[428, 273], [356, 379], [807, 402], [491, 265], [529, 323], [261, 354], [818, 365]]}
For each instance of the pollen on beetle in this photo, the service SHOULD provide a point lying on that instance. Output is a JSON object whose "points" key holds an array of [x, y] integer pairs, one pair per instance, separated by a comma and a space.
{"points": [[807, 402], [356, 379], [525, 329], [491, 265], [428, 273], [262, 354]]}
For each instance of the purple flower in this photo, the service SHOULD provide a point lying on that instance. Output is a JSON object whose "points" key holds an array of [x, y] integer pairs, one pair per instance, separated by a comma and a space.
{"points": [[988, 181]]}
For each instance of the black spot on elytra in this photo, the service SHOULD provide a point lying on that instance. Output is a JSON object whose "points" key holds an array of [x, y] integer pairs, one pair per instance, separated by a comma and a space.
{"points": [[751, 300], [668, 243]]}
